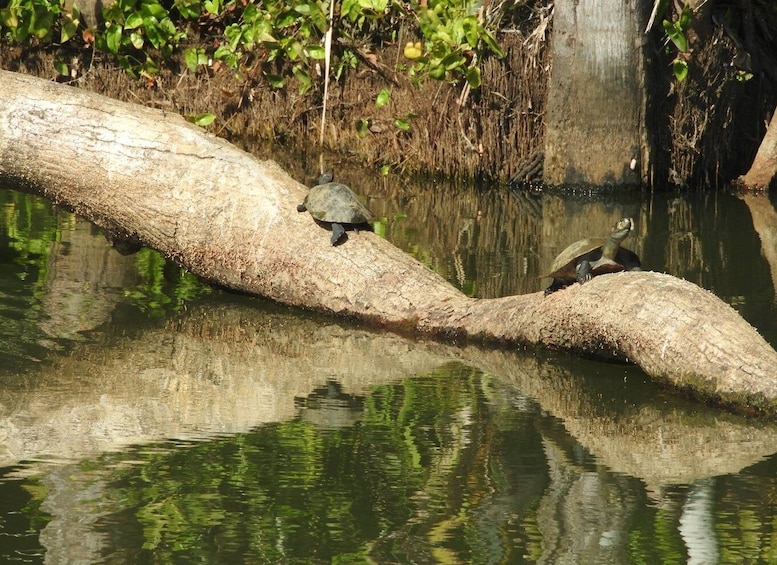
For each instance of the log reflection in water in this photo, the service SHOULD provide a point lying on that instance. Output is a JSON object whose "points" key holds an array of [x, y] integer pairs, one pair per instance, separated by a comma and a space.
{"points": [[227, 369]]}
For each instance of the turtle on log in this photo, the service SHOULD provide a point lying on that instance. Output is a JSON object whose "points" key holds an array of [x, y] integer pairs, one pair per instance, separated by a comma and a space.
{"points": [[334, 204], [594, 256]]}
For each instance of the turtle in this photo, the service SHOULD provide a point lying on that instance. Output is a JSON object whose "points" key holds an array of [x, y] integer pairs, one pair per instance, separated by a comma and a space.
{"points": [[333, 203], [594, 256]]}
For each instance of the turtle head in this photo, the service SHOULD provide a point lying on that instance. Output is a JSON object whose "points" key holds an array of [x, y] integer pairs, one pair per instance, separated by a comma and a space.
{"points": [[326, 176], [621, 230]]}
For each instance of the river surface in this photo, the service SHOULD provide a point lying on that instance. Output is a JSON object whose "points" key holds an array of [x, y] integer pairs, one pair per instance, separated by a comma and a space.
{"points": [[148, 418]]}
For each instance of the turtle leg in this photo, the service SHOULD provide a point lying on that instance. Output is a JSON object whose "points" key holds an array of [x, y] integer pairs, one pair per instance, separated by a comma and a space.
{"points": [[302, 208], [337, 232], [583, 270], [557, 284]]}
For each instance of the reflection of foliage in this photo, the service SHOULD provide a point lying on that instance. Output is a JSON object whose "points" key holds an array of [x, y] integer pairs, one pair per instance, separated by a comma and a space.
{"points": [[441, 468], [28, 226], [432, 472], [166, 286], [411, 241], [292, 492]]}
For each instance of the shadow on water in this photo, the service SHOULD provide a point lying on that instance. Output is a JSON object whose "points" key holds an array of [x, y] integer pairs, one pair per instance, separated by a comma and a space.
{"points": [[147, 418]]}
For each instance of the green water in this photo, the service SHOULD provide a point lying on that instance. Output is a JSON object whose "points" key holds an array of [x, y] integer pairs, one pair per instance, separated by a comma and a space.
{"points": [[147, 418]]}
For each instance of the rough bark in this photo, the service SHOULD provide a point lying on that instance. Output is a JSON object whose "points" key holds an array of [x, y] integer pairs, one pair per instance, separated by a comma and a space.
{"points": [[764, 167], [595, 120], [232, 219]]}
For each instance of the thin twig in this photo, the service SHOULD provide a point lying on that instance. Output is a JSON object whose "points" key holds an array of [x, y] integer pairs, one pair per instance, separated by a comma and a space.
{"points": [[327, 59]]}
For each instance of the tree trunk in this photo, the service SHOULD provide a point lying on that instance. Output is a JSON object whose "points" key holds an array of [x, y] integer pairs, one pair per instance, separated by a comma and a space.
{"points": [[232, 220], [764, 167], [595, 120]]}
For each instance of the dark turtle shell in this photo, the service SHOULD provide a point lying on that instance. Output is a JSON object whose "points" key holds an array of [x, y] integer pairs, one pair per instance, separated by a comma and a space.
{"points": [[334, 202]]}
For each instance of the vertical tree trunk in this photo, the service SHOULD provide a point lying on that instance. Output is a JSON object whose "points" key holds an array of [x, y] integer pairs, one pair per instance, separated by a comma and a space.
{"points": [[764, 167], [595, 120]]}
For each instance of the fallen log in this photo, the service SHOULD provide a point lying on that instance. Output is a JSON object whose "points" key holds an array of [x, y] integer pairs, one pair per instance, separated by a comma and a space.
{"points": [[231, 219]]}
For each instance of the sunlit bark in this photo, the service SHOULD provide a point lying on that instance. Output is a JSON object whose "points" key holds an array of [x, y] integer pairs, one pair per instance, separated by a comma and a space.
{"points": [[232, 219], [764, 167], [595, 121]]}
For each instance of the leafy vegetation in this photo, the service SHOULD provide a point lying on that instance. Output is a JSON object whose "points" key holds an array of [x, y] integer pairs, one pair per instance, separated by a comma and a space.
{"points": [[675, 31], [131, 25], [165, 287], [285, 40], [677, 19], [28, 227]]}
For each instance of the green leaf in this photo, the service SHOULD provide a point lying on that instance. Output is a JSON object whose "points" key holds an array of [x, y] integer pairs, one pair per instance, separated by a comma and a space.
{"points": [[316, 52], [452, 61], [113, 38], [137, 40], [404, 125], [383, 98], [287, 19], [473, 77], [194, 58], [676, 35], [126, 6], [69, 29], [294, 50], [168, 29], [41, 26], [492, 44], [233, 33], [362, 127], [154, 34], [189, 9], [275, 80], [443, 36], [112, 13], [247, 35], [436, 71], [374, 6], [62, 68], [680, 69], [70, 25], [9, 18], [223, 53], [203, 120], [470, 28], [685, 19], [133, 21], [153, 10], [150, 67], [305, 82], [213, 7]]}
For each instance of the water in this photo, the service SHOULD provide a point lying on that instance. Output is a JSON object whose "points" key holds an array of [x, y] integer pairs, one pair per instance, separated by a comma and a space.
{"points": [[146, 418]]}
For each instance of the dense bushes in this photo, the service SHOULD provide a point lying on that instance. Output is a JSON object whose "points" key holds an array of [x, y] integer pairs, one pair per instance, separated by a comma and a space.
{"points": [[286, 39]]}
